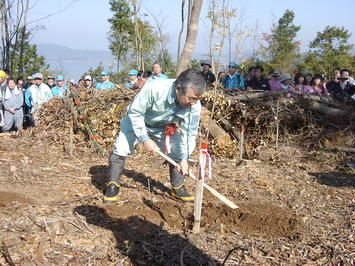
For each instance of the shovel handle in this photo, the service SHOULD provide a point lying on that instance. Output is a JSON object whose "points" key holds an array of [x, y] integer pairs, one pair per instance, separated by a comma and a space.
{"points": [[210, 189]]}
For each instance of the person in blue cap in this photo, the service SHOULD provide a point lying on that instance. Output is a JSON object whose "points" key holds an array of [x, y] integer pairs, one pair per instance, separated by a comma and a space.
{"points": [[105, 83], [233, 81], [133, 78], [59, 89]]}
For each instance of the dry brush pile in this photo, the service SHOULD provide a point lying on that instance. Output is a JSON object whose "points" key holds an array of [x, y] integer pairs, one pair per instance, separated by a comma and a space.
{"points": [[265, 118], [93, 116]]}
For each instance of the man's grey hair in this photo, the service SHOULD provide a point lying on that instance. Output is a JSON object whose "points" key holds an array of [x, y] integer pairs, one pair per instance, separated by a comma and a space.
{"points": [[191, 78]]}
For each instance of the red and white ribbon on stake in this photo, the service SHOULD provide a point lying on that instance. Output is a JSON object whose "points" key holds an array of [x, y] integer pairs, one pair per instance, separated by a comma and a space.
{"points": [[168, 139], [203, 157]]}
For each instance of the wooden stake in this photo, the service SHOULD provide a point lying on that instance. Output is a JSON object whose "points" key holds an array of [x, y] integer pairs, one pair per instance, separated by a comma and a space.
{"points": [[210, 189], [198, 206], [71, 138], [241, 142], [277, 123]]}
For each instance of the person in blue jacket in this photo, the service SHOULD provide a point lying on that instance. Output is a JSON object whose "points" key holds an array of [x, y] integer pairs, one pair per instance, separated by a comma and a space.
{"points": [[105, 83], [161, 103], [133, 78], [233, 81], [157, 72], [36, 95], [59, 89]]}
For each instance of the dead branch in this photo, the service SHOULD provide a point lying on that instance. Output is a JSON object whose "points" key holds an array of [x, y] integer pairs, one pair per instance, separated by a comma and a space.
{"points": [[6, 254], [342, 149]]}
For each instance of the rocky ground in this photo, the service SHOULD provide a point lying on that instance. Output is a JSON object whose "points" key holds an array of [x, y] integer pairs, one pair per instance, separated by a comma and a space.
{"points": [[297, 207]]}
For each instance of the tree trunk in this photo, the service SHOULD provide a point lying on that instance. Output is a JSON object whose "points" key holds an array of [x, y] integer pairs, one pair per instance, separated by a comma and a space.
{"points": [[118, 63], [181, 29], [23, 37], [185, 59]]}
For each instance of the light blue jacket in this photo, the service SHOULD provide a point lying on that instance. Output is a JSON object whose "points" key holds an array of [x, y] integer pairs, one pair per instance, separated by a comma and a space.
{"points": [[56, 91], [35, 96], [235, 82], [105, 85], [129, 85], [161, 76], [156, 106]]}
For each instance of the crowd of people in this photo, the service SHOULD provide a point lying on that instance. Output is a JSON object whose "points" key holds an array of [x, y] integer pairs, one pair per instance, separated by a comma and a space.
{"points": [[20, 100], [341, 84]]}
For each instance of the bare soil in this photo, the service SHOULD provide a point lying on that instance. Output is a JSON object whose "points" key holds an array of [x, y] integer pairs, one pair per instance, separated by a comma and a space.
{"points": [[297, 207]]}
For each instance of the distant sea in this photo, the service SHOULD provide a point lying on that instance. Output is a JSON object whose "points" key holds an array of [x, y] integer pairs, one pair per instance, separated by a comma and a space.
{"points": [[75, 68]]}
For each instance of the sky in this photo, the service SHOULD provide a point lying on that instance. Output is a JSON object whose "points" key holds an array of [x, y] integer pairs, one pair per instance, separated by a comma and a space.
{"points": [[84, 24]]}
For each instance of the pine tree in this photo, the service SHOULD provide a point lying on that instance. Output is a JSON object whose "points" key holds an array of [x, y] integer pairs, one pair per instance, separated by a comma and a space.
{"points": [[328, 50], [283, 49]]}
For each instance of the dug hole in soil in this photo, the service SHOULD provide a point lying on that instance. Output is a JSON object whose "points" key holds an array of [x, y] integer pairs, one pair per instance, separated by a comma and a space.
{"points": [[252, 218]]}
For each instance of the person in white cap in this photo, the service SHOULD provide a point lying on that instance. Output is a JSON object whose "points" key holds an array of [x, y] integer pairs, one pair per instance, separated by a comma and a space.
{"points": [[88, 82], [36, 95]]}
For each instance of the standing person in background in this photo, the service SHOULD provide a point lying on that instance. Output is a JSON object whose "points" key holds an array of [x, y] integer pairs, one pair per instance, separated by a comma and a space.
{"points": [[29, 82], [143, 78], [207, 73], [81, 83], [22, 86], [8, 73], [286, 82], [347, 87], [318, 86], [20, 83], [36, 95], [333, 84], [88, 82], [12, 101], [157, 72], [133, 78], [298, 82], [59, 90], [248, 75], [50, 82], [3, 85], [3, 81], [275, 80], [233, 81], [257, 81], [105, 83], [221, 75], [307, 84]]}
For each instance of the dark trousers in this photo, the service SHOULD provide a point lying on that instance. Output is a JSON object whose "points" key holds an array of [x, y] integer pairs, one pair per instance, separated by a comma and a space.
{"points": [[116, 167]]}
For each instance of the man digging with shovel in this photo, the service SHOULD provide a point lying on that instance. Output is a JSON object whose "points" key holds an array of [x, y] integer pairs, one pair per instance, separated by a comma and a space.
{"points": [[164, 112]]}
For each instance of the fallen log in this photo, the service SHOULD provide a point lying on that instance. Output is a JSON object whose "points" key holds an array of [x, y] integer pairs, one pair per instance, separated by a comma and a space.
{"points": [[221, 137], [316, 103], [324, 109], [247, 96], [343, 149]]}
